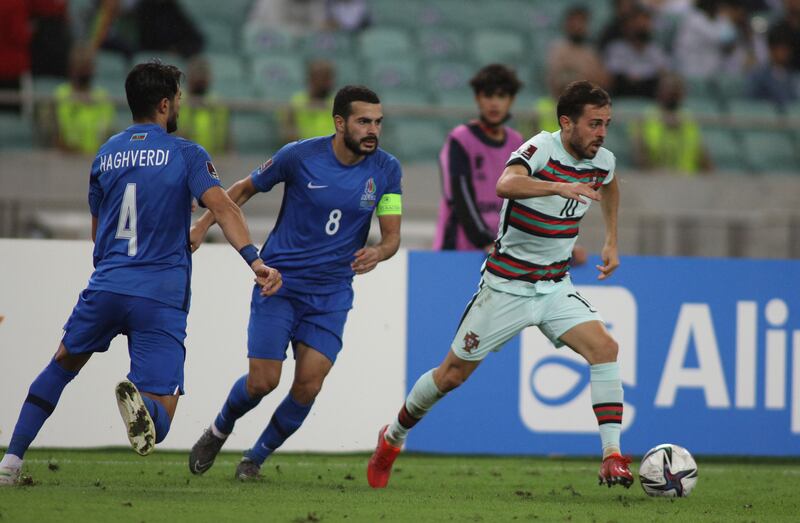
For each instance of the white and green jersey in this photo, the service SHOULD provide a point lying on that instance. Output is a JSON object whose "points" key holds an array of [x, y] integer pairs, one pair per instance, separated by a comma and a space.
{"points": [[536, 236]]}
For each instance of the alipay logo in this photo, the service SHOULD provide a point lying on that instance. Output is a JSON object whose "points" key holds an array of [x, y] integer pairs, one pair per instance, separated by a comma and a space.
{"points": [[554, 387]]}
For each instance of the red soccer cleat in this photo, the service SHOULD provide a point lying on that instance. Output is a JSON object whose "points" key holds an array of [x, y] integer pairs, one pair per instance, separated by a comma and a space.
{"points": [[379, 467], [615, 471]]}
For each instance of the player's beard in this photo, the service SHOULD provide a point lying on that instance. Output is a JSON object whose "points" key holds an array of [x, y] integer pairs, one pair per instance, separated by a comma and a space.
{"points": [[583, 151], [172, 122], [355, 145]]}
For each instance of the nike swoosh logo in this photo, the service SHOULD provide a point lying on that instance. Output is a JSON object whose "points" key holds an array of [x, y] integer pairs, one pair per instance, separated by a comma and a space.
{"points": [[200, 466], [312, 186]]}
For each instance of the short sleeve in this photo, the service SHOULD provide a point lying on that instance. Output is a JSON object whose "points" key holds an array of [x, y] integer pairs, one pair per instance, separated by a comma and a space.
{"points": [[533, 154], [95, 189], [274, 171], [201, 173], [612, 167], [395, 184]]}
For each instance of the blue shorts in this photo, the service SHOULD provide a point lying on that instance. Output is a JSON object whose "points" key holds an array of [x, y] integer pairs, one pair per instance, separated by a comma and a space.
{"points": [[155, 334], [312, 319]]}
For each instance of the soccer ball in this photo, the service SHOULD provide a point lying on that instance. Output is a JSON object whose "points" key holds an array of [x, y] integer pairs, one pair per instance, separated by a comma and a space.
{"points": [[668, 470]]}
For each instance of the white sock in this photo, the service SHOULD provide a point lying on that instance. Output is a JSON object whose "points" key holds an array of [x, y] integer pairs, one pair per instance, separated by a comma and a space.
{"points": [[424, 394], [215, 431], [11, 461]]}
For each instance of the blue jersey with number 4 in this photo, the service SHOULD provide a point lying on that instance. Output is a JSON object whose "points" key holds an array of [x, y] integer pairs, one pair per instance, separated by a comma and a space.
{"points": [[326, 211], [140, 190]]}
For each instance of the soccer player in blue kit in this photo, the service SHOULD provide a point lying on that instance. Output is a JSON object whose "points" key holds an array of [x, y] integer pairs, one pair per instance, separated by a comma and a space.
{"points": [[140, 195], [333, 184]]}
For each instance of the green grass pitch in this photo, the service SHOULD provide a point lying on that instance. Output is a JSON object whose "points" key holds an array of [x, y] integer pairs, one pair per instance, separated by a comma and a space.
{"points": [[117, 485]]}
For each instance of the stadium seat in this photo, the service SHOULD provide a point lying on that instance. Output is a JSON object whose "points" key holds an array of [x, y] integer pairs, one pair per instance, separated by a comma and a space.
{"points": [[377, 43], [348, 70], [258, 41], [327, 44], [226, 68], [220, 35], [441, 44], [255, 133], [399, 73], [760, 110], [230, 12], [414, 139], [725, 149], [110, 65], [277, 77], [770, 152], [15, 132], [449, 75], [501, 46]]}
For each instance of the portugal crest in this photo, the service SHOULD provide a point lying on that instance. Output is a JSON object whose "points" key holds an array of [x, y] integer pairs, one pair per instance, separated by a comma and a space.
{"points": [[471, 341]]}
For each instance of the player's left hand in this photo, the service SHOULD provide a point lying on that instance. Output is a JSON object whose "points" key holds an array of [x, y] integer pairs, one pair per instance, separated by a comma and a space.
{"points": [[610, 258], [268, 278], [365, 260]]}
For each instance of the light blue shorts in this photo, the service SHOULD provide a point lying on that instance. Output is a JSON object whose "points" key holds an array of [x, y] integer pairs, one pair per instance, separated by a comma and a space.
{"points": [[493, 317]]}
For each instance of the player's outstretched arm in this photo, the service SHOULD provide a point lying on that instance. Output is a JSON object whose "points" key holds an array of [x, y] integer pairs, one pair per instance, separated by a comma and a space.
{"points": [[516, 184], [610, 206], [367, 258], [240, 192], [230, 218]]}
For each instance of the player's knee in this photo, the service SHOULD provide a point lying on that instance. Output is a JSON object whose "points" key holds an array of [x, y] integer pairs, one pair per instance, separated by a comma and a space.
{"points": [[304, 392], [605, 351], [259, 385]]}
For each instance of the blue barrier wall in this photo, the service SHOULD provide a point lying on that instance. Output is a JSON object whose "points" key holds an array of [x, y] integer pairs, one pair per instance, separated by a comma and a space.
{"points": [[709, 354]]}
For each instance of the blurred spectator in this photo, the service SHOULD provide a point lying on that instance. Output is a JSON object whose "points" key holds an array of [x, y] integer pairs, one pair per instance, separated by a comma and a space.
{"points": [[129, 26], [348, 15], [114, 26], [790, 23], [15, 57], [51, 40], [749, 50], [572, 57], [204, 119], [165, 26], [668, 137], [471, 161], [85, 115], [296, 16], [774, 80], [704, 36], [309, 113], [613, 28], [635, 61]]}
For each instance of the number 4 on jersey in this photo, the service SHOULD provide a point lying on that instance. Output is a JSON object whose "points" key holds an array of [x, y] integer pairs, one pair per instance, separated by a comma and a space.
{"points": [[126, 227]]}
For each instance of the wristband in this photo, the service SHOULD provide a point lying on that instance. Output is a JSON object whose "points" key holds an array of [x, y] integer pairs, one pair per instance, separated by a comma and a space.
{"points": [[249, 253]]}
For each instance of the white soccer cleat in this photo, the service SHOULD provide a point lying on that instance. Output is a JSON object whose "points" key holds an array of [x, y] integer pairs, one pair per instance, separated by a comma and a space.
{"points": [[9, 476], [139, 424]]}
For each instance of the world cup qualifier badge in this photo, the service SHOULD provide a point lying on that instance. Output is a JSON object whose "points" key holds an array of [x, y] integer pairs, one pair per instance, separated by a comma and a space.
{"points": [[369, 198], [212, 170]]}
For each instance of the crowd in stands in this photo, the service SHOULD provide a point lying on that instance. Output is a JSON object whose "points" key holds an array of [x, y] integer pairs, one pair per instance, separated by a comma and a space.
{"points": [[670, 65]]}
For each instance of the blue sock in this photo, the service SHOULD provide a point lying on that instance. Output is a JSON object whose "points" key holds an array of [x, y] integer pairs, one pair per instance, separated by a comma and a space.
{"points": [[287, 419], [42, 399], [237, 405], [160, 417]]}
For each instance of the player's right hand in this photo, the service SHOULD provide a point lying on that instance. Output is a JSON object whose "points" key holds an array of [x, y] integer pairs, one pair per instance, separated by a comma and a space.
{"points": [[197, 235], [575, 191], [268, 278]]}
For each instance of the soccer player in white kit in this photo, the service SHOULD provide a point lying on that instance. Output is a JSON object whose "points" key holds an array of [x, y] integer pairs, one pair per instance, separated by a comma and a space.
{"points": [[548, 185]]}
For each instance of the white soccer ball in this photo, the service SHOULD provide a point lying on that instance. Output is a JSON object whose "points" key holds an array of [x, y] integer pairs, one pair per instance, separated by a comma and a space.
{"points": [[668, 470]]}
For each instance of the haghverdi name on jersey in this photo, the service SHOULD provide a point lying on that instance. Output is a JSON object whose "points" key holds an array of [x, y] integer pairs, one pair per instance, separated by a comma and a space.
{"points": [[134, 158]]}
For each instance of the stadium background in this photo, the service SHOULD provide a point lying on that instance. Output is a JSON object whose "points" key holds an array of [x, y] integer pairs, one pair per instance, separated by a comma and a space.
{"points": [[419, 59]]}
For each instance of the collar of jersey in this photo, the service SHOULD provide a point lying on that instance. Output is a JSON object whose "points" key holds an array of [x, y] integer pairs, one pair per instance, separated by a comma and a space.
{"points": [[139, 127]]}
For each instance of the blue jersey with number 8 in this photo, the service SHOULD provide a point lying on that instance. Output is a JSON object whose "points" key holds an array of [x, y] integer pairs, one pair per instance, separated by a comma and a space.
{"points": [[140, 190], [326, 211]]}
